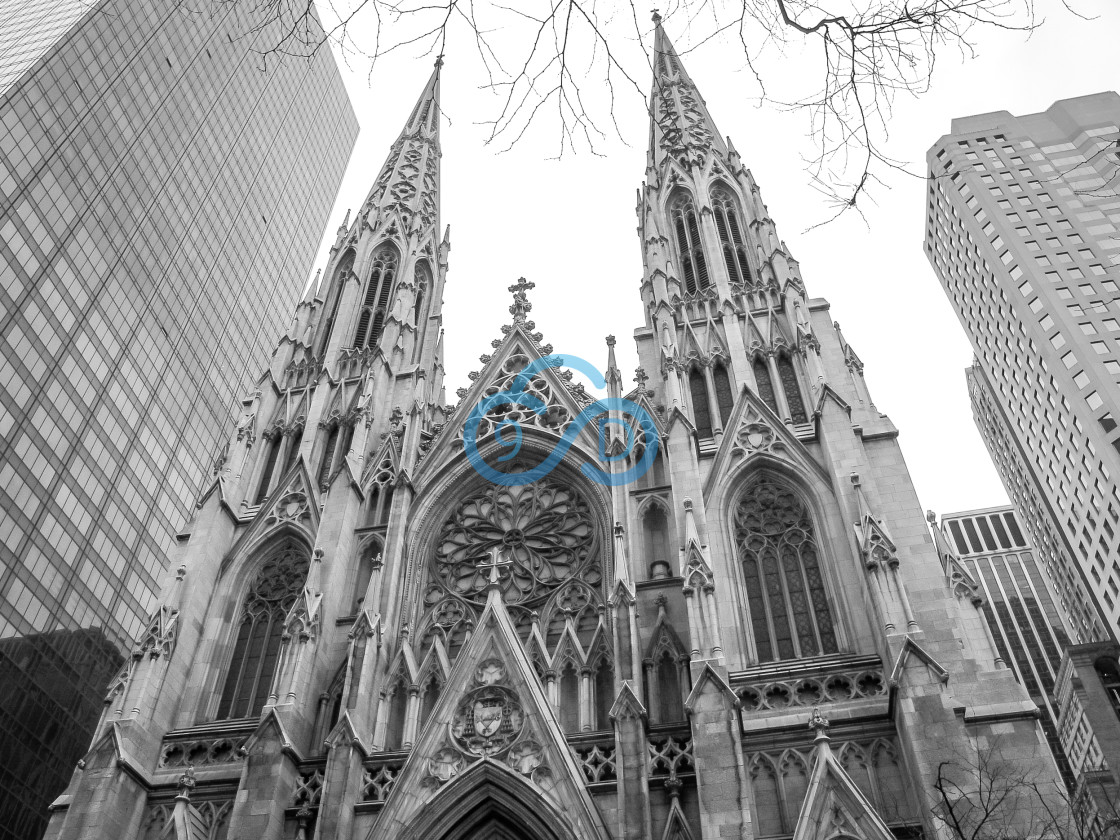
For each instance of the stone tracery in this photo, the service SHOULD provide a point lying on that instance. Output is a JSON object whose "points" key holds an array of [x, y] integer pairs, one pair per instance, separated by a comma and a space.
{"points": [[545, 529]]}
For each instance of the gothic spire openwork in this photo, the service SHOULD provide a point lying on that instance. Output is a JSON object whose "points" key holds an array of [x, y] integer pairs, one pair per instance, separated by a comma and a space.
{"points": [[680, 126]]}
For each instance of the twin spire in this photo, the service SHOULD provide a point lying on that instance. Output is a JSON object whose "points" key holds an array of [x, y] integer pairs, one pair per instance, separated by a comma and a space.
{"points": [[680, 128]]}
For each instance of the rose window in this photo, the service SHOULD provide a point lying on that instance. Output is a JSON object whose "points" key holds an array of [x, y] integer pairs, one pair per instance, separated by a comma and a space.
{"points": [[544, 530]]}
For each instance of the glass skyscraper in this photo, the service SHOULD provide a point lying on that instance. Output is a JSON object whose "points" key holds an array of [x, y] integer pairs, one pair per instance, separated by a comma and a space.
{"points": [[1023, 231], [164, 184]]}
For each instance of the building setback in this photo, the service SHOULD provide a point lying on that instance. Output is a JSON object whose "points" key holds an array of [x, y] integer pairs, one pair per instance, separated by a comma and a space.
{"points": [[367, 633], [1028, 627], [1022, 231], [163, 190]]}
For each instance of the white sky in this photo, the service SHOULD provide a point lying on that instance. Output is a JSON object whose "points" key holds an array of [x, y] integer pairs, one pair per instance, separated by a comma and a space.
{"points": [[569, 225]]}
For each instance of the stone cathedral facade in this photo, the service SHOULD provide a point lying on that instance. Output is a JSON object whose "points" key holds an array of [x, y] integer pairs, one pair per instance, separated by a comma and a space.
{"points": [[360, 637]]}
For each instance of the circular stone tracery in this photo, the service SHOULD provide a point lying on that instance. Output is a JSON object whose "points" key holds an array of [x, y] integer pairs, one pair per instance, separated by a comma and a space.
{"points": [[544, 529]]}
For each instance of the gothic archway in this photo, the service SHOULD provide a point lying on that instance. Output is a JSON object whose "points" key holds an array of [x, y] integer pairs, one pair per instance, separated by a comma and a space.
{"points": [[489, 803]]}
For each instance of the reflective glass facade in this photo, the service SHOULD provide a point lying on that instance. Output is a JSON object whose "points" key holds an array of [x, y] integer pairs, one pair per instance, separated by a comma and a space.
{"points": [[1023, 231], [163, 189]]}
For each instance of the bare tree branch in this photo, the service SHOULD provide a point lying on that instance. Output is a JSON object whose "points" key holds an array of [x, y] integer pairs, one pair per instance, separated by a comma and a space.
{"points": [[868, 53]]}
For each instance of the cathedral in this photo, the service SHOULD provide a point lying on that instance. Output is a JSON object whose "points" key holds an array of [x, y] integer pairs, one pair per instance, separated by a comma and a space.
{"points": [[363, 637]]}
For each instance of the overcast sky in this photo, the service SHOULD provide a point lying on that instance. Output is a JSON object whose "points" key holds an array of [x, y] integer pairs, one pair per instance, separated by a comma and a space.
{"points": [[569, 225]]}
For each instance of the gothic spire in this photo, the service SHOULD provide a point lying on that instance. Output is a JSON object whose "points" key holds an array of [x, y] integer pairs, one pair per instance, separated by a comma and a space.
{"points": [[680, 126], [409, 178]]}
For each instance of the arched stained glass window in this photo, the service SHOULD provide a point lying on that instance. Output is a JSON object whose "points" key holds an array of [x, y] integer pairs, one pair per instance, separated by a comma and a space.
{"points": [[777, 545], [725, 397], [701, 410], [764, 383], [375, 304], [793, 391], [257, 648], [690, 247], [730, 236]]}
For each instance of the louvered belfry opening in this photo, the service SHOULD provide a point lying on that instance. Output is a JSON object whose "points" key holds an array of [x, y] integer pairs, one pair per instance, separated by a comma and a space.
{"points": [[730, 236], [375, 303], [690, 246]]}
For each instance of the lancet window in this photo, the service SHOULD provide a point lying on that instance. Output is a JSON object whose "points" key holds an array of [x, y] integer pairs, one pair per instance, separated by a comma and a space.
{"points": [[764, 383], [337, 445], [379, 497], [788, 375], [256, 649], [345, 266], [730, 236], [725, 397], [367, 560], [375, 304], [423, 278], [780, 781], [777, 545], [655, 541], [787, 381], [690, 247], [271, 454], [292, 441], [701, 408]]}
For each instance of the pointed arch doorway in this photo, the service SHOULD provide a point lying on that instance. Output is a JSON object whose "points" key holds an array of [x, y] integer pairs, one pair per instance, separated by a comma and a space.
{"points": [[489, 803]]}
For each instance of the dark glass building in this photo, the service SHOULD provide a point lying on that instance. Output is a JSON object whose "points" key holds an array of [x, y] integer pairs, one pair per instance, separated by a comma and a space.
{"points": [[1027, 625], [164, 184]]}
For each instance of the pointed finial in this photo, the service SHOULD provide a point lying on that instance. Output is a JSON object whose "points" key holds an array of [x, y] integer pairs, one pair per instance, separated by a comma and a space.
{"points": [[186, 784], [656, 17], [931, 517], [819, 724], [521, 306], [641, 377], [439, 60], [495, 565]]}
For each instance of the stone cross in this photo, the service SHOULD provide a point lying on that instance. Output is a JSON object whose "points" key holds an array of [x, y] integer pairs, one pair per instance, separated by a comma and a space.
{"points": [[495, 565], [521, 306]]}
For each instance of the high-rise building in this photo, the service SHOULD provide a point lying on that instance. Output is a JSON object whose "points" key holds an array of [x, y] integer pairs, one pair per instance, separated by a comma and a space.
{"points": [[1088, 695], [988, 552], [1041, 523], [400, 619], [1022, 231], [163, 188]]}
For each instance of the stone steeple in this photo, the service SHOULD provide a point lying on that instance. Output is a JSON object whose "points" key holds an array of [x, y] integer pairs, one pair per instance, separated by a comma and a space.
{"points": [[680, 126]]}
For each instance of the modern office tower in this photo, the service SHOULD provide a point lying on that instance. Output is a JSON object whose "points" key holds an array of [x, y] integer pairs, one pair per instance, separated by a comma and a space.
{"points": [[1022, 231], [987, 550], [395, 618], [163, 190], [1088, 695], [1052, 549]]}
